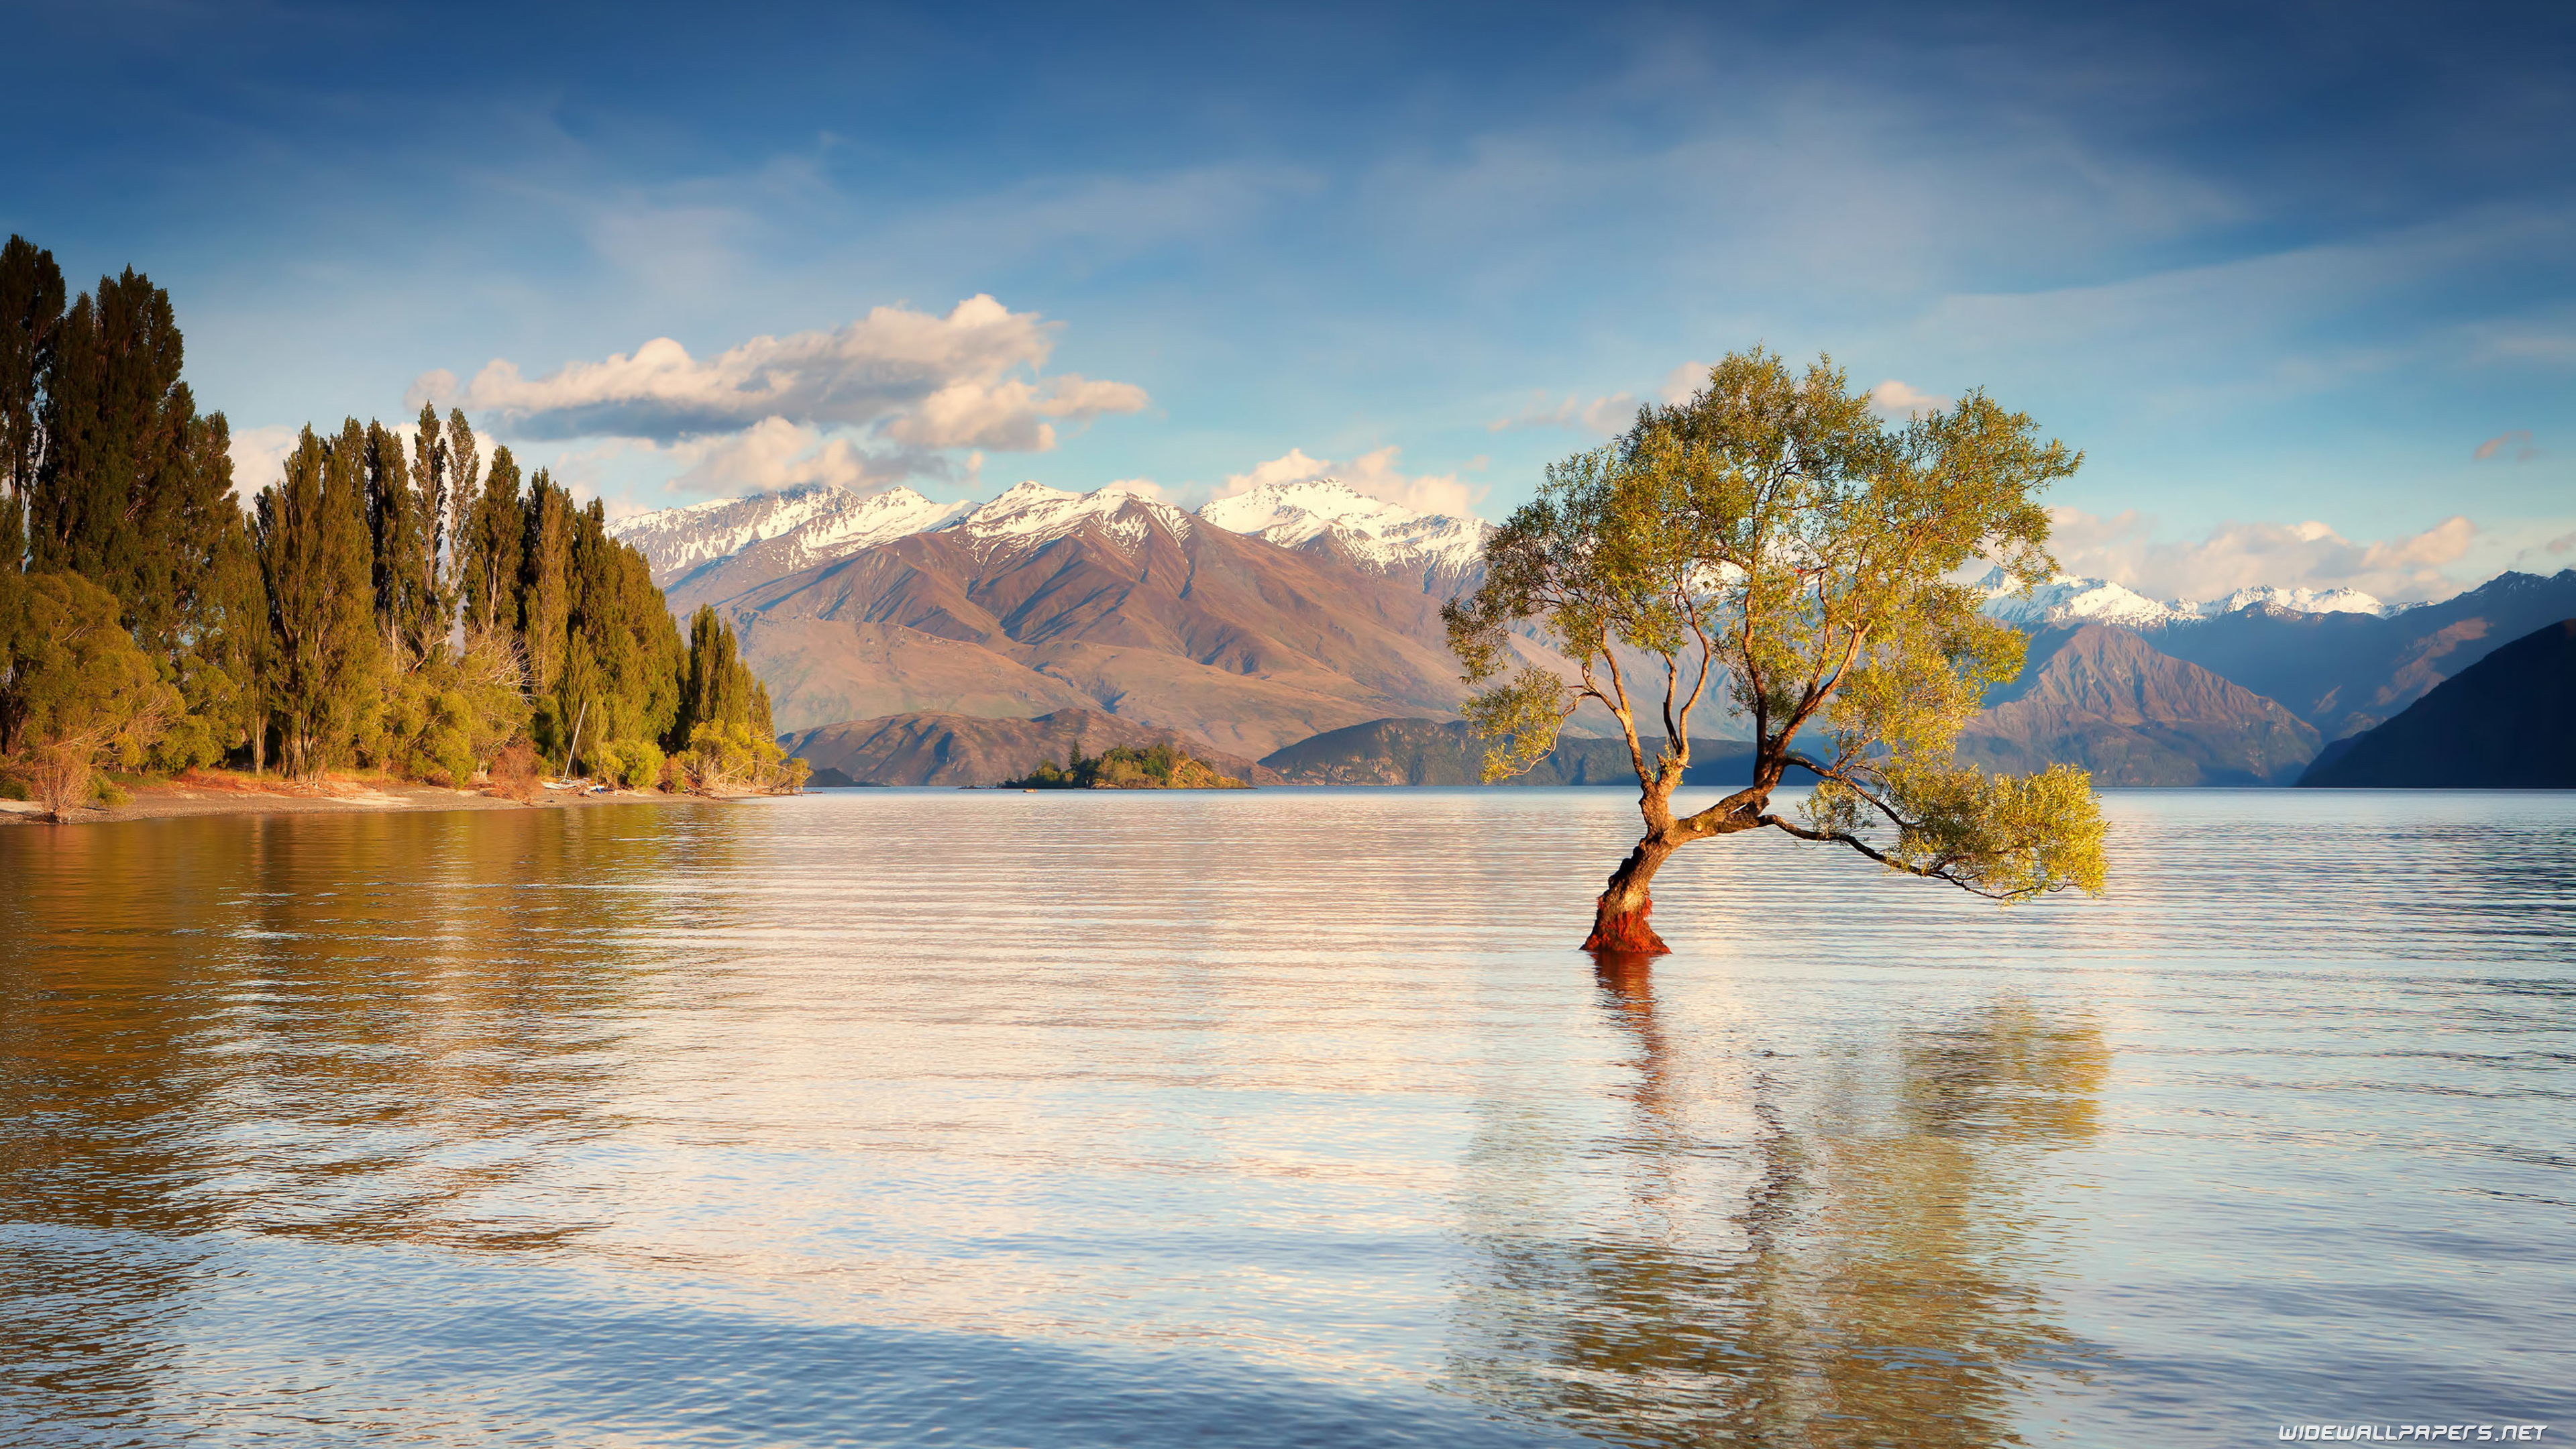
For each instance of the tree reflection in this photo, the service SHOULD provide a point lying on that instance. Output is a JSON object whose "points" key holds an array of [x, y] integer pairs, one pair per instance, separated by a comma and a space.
{"points": [[1853, 1261], [343, 1027]]}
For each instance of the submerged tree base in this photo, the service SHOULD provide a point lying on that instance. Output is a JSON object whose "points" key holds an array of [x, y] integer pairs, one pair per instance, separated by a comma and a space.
{"points": [[1617, 932]]}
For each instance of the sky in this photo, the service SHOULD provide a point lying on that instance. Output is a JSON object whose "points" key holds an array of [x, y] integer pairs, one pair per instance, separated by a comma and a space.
{"points": [[2299, 280]]}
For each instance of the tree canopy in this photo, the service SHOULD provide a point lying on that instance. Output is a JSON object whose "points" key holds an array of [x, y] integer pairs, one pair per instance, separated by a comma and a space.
{"points": [[1771, 545]]}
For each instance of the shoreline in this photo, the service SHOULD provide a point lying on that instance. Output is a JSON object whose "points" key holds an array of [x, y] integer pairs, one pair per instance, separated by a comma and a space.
{"points": [[178, 799]]}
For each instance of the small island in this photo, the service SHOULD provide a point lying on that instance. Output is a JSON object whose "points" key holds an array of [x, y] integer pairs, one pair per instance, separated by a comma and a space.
{"points": [[1124, 767]]}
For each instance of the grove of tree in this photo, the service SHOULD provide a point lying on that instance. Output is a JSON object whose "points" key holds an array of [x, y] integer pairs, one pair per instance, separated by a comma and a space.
{"points": [[393, 600], [1771, 543]]}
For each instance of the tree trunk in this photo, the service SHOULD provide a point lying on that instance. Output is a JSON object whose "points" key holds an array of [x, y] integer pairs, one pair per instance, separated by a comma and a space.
{"points": [[1619, 925]]}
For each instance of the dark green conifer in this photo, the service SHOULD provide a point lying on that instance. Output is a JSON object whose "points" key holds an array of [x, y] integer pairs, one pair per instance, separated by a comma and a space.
{"points": [[31, 314]]}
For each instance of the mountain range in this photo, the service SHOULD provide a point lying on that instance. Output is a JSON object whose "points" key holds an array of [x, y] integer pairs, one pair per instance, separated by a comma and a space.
{"points": [[1263, 620], [2505, 722]]}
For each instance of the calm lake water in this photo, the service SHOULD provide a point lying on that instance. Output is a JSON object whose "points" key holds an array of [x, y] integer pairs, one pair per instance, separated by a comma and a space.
{"points": [[892, 1117]]}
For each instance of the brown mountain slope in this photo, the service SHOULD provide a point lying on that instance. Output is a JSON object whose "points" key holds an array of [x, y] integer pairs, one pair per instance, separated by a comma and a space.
{"points": [[1115, 603], [2102, 698], [948, 749]]}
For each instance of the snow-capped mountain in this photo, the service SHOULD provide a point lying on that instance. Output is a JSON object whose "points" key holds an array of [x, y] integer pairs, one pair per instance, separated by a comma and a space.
{"points": [[805, 525], [2068, 599], [1033, 513], [706, 552], [1326, 515]]}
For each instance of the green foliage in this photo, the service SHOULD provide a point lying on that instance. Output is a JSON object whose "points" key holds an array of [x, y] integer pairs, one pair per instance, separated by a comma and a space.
{"points": [[1772, 540], [717, 686], [635, 764], [325, 655], [729, 757], [492, 535], [75, 693], [1124, 767]]}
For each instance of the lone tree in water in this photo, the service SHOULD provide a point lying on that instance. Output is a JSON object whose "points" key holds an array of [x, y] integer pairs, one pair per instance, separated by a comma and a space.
{"points": [[1771, 541]]}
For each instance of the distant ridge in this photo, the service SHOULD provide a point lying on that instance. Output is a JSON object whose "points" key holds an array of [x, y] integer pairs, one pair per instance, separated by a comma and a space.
{"points": [[951, 749], [2105, 699], [2506, 722], [1431, 752]]}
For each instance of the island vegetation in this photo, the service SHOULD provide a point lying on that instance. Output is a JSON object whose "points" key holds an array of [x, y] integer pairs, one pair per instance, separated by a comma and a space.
{"points": [[1772, 540], [1127, 767], [394, 601]]}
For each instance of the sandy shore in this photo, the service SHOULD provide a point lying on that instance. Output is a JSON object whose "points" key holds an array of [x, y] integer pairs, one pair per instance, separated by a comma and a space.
{"points": [[228, 795]]}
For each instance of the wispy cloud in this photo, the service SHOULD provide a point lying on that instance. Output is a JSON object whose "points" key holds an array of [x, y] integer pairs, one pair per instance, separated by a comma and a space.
{"points": [[2515, 446], [1602, 415]]}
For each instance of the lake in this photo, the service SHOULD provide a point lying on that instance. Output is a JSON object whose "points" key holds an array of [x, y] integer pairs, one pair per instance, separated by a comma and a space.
{"points": [[1277, 1117]]}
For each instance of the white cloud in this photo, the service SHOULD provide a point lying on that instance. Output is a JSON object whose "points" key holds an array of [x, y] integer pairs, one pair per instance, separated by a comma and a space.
{"points": [[1682, 382], [1373, 473], [1895, 399], [2243, 555], [259, 457], [772, 454], [963, 380]]}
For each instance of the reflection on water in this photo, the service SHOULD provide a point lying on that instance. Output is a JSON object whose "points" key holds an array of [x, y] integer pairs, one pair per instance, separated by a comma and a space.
{"points": [[1846, 1262], [977, 1119]]}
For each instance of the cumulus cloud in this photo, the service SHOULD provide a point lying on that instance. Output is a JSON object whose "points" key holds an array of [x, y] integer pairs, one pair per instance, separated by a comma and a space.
{"points": [[1373, 473], [966, 379], [259, 457], [1894, 399], [2243, 555], [1683, 381], [2515, 445]]}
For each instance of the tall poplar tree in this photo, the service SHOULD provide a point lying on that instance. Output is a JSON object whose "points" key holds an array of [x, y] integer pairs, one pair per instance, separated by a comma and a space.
{"points": [[316, 561], [493, 536], [545, 589], [31, 314], [464, 498]]}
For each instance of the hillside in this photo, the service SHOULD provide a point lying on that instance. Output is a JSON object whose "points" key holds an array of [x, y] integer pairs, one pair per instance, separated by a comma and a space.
{"points": [[1430, 752], [949, 749], [2100, 697], [2346, 672], [2505, 722], [1043, 600]]}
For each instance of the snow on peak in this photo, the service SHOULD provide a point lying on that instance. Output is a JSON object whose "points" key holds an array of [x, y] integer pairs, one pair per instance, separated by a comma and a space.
{"points": [[2296, 601], [1033, 513], [816, 521], [2068, 599], [1378, 535]]}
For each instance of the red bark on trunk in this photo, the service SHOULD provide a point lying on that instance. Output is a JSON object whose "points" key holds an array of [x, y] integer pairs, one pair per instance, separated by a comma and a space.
{"points": [[1618, 931], [1619, 925]]}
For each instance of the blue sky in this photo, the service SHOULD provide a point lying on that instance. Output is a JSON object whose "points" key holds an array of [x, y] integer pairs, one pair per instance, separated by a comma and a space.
{"points": [[2283, 273]]}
